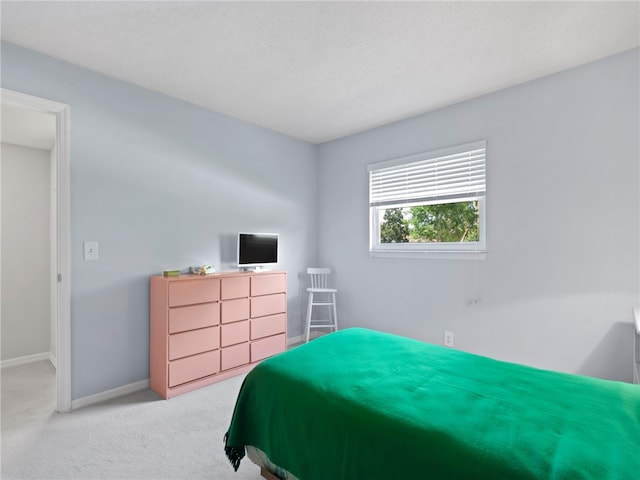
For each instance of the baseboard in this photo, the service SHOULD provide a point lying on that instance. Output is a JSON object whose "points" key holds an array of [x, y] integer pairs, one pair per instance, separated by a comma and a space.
{"points": [[14, 362], [134, 387], [295, 340], [300, 339], [109, 394], [53, 360]]}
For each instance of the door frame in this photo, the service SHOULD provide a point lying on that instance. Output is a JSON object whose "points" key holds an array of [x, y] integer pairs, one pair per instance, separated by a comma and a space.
{"points": [[61, 278]]}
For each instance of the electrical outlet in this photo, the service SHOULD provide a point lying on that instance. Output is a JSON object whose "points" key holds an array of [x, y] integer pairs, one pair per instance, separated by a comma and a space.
{"points": [[448, 339]]}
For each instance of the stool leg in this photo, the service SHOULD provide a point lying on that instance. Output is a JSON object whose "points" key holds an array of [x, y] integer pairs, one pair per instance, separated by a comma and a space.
{"points": [[335, 313], [308, 322]]}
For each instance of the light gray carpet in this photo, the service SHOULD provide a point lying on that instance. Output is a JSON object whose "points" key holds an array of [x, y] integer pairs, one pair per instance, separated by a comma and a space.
{"points": [[137, 436]]}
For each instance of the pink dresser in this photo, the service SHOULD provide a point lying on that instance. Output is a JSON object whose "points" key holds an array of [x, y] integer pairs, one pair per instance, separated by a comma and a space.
{"points": [[204, 329]]}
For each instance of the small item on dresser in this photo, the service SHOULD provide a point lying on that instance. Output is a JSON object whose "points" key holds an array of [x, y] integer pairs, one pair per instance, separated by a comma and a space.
{"points": [[171, 273], [206, 269]]}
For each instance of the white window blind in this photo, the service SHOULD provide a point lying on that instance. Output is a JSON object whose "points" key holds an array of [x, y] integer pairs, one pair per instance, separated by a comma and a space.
{"points": [[449, 173]]}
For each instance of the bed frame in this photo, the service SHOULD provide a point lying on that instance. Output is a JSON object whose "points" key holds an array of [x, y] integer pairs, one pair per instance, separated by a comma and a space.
{"points": [[267, 474]]}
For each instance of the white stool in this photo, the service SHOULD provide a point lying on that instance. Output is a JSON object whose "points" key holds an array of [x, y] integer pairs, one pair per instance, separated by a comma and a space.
{"points": [[321, 296]]}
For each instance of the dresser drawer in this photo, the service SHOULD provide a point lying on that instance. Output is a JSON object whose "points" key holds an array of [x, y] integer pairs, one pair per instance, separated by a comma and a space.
{"points": [[268, 284], [268, 346], [235, 356], [195, 316], [234, 287], [189, 292], [192, 368], [195, 341], [268, 305], [269, 325], [234, 333], [234, 310]]}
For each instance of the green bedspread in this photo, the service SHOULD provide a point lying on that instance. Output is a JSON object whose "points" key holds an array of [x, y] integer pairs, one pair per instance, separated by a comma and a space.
{"points": [[363, 405]]}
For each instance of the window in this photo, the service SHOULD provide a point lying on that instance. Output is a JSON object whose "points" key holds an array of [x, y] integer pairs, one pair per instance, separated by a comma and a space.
{"points": [[429, 203]]}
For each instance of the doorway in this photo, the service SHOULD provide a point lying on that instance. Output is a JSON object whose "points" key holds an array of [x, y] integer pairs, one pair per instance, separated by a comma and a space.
{"points": [[60, 237]]}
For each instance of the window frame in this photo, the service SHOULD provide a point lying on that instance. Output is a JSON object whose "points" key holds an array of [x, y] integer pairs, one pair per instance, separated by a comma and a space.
{"points": [[445, 250]]}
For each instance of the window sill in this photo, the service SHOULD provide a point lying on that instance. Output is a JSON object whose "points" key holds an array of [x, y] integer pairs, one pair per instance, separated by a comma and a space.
{"points": [[430, 255]]}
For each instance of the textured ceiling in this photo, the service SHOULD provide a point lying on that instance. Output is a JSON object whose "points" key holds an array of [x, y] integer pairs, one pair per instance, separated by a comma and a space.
{"points": [[322, 70]]}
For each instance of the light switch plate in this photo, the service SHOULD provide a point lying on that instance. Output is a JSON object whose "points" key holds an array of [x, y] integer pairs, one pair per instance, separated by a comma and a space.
{"points": [[91, 250]]}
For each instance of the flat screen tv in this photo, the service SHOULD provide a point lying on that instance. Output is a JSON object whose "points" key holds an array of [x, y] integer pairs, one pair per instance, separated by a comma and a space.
{"points": [[256, 250]]}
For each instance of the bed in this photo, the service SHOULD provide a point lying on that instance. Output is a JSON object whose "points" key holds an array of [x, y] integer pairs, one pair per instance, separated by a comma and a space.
{"points": [[363, 405]]}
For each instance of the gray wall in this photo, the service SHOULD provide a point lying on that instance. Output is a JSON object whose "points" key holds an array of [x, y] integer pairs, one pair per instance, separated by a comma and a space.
{"points": [[26, 319], [161, 183], [563, 208]]}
